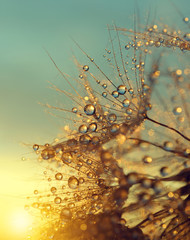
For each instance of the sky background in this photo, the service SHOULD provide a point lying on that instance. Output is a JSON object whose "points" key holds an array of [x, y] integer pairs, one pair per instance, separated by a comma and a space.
{"points": [[26, 29]]}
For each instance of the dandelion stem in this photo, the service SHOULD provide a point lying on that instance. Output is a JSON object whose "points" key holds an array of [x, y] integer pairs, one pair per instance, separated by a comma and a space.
{"points": [[166, 126]]}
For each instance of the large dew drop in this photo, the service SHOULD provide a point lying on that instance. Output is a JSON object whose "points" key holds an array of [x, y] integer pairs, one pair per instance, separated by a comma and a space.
{"points": [[89, 109], [73, 182]]}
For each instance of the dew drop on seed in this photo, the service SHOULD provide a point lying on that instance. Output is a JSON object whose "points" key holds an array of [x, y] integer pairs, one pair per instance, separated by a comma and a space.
{"points": [[57, 200], [89, 109], [74, 110], [85, 68], [92, 127], [53, 189], [186, 19], [65, 214], [83, 128], [114, 128], [47, 153], [164, 171], [168, 146], [126, 102], [131, 91], [73, 182], [147, 159], [115, 94], [58, 176], [66, 158], [121, 89], [35, 147], [112, 117], [177, 110], [129, 111], [84, 139], [187, 36], [81, 180], [104, 94]]}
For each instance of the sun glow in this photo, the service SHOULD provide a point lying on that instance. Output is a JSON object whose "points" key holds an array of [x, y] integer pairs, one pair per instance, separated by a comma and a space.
{"points": [[20, 221]]}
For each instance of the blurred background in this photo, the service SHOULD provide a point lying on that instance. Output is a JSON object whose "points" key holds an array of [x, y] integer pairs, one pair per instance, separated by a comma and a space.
{"points": [[27, 29]]}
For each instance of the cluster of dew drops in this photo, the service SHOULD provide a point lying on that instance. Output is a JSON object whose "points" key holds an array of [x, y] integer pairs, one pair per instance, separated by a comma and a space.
{"points": [[124, 170]]}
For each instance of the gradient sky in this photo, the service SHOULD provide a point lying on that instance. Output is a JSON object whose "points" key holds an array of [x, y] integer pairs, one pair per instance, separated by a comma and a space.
{"points": [[26, 28]]}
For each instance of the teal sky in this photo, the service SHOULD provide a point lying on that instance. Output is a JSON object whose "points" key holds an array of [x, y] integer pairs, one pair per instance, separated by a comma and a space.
{"points": [[26, 28]]}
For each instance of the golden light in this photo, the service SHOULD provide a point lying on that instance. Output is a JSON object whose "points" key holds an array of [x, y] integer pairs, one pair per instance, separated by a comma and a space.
{"points": [[20, 221]]}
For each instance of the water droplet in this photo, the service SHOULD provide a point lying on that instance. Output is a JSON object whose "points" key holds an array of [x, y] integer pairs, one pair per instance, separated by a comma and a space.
{"points": [[126, 102], [74, 110], [65, 214], [92, 127], [85, 139], [85, 68], [73, 182], [83, 128], [112, 117], [115, 94], [177, 110], [168, 145], [104, 94], [48, 153], [35, 147], [57, 200], [53, 189], [121, 89], [129, 111], [147, 159], [66, 157], [89, 109], [58, 176]]}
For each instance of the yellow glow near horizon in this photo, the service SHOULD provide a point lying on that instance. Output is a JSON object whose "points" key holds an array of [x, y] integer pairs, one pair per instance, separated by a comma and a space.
{"points": [[20, 221]]}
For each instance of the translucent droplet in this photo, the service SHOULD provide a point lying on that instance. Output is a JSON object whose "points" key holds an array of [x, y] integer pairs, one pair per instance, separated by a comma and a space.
{"points": [[92, 127], [89, 175], [147, 159], [186, 19], [53, 189], [74, 110], [48, 153], [58, 176], [35, 147], [112, 117], [122, 89], [131, 91], [65, 214], [126, 102], [115, 94], [81, 76], [89, 161], [177, 110], [85, 139], [81, 180], [164, 171], [66, 157], [89, 109], [73, 182], [127, 47], [57, 200], [104, 94], [35, 192], [85, 67], [83, 129], [168, 145], [114, 128], [129, 111], [104, 86]]}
